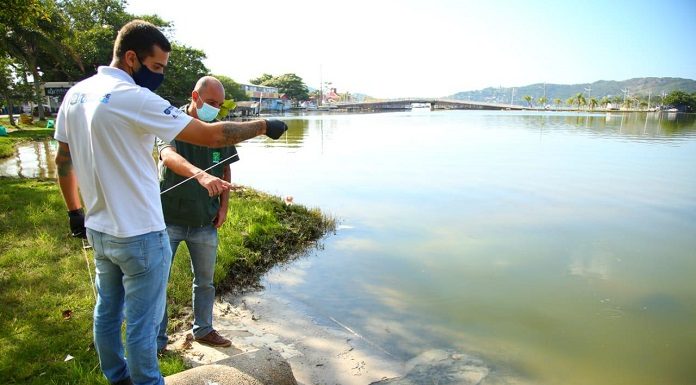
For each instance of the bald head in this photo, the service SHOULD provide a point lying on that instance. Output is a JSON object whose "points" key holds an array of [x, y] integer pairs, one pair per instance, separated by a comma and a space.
{"points": [[209, 82], [208, 90]]}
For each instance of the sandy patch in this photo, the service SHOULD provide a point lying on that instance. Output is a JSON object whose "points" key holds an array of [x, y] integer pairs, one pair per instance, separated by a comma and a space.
{"points": [[317, 354]]}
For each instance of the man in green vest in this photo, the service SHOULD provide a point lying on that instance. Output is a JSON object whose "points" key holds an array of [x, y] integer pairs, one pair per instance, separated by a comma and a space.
{"points": [[195, 210]]}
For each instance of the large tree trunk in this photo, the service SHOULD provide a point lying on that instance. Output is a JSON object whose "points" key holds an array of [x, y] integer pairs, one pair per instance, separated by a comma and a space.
{"points": [[10, 107], [8, 99], [31, 100], [37, 91]]}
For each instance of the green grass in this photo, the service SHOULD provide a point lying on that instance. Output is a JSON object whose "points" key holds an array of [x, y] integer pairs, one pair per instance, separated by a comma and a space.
{"points": [[25, 132], [43, 273]]}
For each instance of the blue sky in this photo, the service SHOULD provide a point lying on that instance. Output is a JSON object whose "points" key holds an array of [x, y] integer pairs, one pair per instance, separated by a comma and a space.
{"points": [[437, 47]]}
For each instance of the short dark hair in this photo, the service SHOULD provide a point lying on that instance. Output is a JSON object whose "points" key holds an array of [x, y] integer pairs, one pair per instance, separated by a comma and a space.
{"points": [[141, 37]]}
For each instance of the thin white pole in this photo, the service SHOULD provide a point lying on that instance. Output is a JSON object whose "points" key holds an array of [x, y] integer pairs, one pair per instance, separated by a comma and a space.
{"points": [[198, 173]]}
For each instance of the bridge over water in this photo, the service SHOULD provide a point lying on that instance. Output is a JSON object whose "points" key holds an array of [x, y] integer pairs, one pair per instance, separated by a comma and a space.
{"points": [[435, 104]]}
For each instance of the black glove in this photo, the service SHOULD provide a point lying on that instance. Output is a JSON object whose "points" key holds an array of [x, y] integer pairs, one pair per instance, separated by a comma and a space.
{"points": [[77, 223], [275, 128]]}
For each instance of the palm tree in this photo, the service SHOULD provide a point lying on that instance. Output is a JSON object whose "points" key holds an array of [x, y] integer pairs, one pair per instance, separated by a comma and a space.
{"points": [[528, 99], [542, 101], [593, 103], [557, 102], [570, 101], [628, 103], [605, 101], [579, 99]]}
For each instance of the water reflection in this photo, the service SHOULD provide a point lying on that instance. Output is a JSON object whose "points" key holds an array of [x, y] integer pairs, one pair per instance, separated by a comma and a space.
{"points": [[656, 125], [591, 266], [296, 133], [31, 160]]}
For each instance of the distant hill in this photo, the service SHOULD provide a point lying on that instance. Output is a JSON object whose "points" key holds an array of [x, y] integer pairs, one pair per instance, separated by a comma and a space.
{"points": [[601, 88]]}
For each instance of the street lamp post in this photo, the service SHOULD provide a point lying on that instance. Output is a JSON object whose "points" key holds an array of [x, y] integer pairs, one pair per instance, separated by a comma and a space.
{"points": [[589, 93], [625, 92], [260, 101]]}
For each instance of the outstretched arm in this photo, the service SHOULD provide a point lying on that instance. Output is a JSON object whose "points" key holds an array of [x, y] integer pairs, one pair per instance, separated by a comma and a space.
{"points": [[222, 134]]}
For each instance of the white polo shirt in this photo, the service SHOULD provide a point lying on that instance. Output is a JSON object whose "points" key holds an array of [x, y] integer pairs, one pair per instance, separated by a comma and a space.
{"points": [[110, 124]]}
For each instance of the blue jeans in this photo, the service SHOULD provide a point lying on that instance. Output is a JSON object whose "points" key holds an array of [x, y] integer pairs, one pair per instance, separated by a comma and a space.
{"points": [[131, 282], [202, 244]]}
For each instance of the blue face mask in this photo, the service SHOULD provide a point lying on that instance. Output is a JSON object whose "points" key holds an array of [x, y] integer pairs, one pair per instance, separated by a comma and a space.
{"points": [[207, 113], [146, 78]]}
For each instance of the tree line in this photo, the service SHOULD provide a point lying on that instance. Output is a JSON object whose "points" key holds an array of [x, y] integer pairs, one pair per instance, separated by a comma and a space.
{"points": [[66, 41], [681, 100]]}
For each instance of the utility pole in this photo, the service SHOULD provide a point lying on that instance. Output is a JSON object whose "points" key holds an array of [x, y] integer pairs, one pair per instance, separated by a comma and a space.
{"points": [[625, 92], [664, 95], [260, 100], [589, 93], [649, 92], [512, 96], [321, 88], [544, 90]]}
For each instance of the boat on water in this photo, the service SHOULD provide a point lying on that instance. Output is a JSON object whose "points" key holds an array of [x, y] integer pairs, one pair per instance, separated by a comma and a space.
{"points": [[326, 107], [421, 107]]}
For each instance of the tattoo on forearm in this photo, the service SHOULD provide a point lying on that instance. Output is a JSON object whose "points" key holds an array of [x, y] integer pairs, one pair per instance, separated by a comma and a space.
{"points": [[65, 168], [234, 133], [63, 162]]}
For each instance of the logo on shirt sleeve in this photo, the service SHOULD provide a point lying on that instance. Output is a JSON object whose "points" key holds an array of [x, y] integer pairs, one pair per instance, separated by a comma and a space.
{"points": [[172, 111]]}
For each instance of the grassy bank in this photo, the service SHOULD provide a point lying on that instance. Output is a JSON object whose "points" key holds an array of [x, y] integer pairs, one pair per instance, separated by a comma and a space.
{"points": [[21, 133], [46, 297]]}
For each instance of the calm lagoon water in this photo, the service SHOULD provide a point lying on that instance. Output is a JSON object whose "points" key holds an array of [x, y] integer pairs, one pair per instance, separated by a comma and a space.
{"points": [[560, 248]]}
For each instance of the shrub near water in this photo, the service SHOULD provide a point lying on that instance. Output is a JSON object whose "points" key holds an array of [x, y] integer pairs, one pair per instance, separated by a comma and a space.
{"points": [[46, 298]]}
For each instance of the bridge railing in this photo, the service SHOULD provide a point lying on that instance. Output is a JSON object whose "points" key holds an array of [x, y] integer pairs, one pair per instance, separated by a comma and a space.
{"points": [[432, 101]]}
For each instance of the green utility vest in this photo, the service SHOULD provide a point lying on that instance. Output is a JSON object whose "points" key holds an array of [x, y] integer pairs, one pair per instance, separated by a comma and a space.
{"points": [[189, 204]]}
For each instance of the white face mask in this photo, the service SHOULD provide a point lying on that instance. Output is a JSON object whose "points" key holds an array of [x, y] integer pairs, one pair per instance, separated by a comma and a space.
{"points": [[207, 113]]}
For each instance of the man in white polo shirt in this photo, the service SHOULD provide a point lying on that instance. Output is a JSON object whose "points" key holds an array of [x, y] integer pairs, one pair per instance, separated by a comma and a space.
{"points": [[106, 128]]}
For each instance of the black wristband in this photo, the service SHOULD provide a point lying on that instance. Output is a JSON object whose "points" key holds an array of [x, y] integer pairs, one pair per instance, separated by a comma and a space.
{"points": [[76, 213]]}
